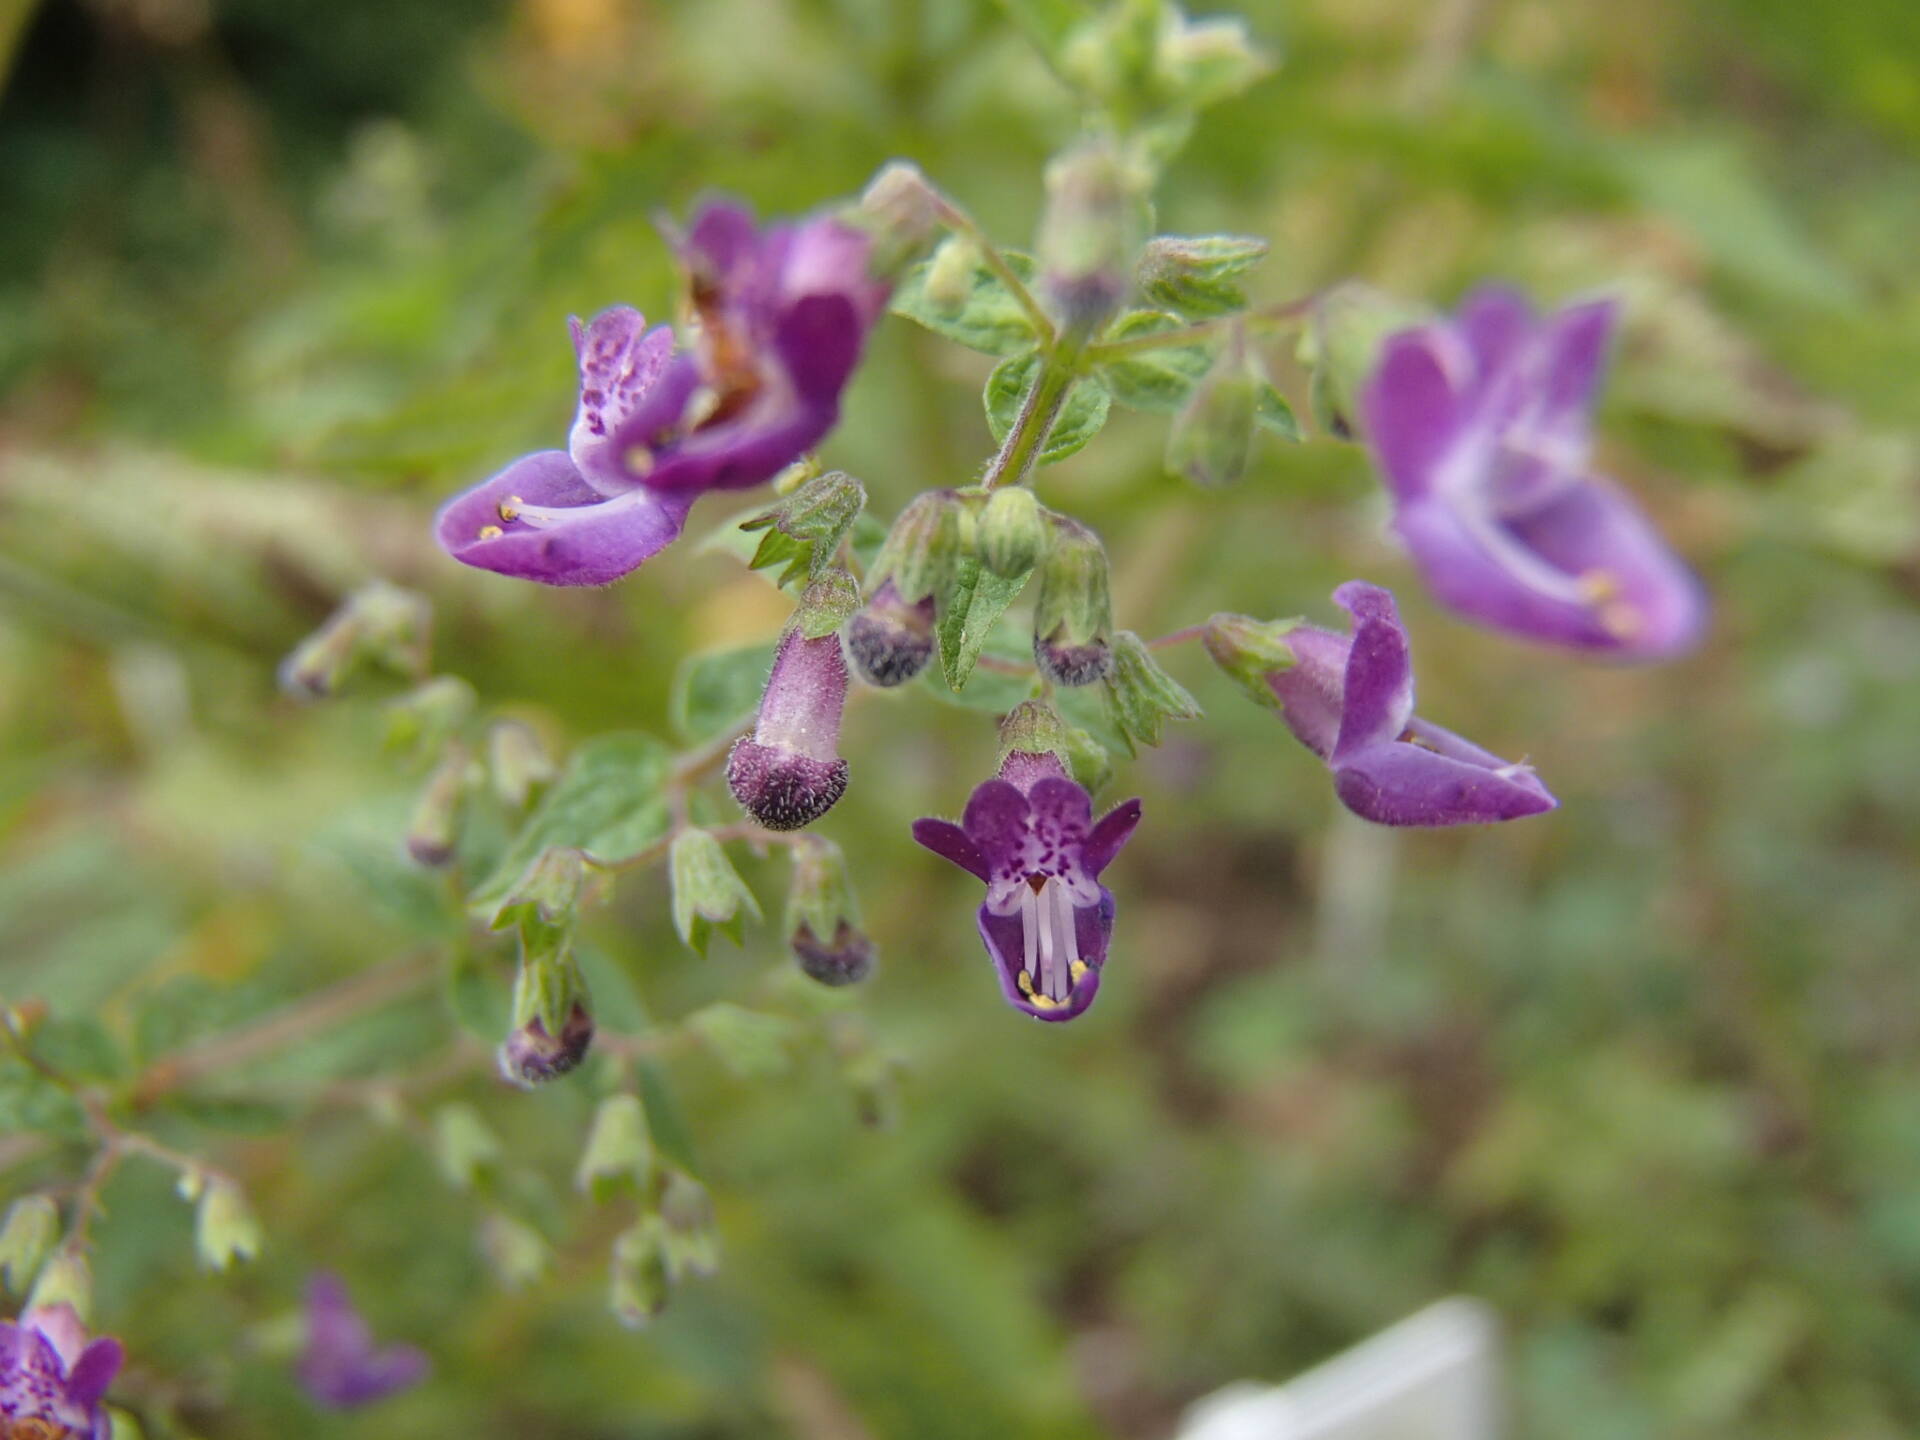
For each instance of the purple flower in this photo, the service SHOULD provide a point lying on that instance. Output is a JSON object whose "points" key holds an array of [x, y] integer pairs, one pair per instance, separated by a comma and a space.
{"points": [[52, 1377], [1349, 699], [341, 1367], [1030, 835], [783, 315], [789, 773], [1481, 426]]}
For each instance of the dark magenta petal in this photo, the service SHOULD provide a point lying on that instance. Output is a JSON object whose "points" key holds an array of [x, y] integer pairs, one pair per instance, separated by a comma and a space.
{"points": [[93, 1372], [950, 842], [1062, 813], [581, 538], [1402, 783], [1377, 689], [996, 822], [1107, 838], [721, 240], [1411, 407]]}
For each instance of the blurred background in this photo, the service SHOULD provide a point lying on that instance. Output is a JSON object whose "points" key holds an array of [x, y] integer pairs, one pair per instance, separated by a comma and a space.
{"points": [[275, 278]]}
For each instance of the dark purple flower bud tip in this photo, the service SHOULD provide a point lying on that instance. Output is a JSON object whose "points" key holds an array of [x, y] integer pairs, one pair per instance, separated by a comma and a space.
{"points": [[1073, 664], [532, 1057], [891, 641], [782, 788], [847, 961]]}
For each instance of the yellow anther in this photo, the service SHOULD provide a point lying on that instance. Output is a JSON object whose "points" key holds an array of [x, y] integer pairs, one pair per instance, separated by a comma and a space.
{"points": [[1077, 969], [1599, 586], [510, 508], [1024, 981], [638, 460], [1043, 1002], [491, 532]]}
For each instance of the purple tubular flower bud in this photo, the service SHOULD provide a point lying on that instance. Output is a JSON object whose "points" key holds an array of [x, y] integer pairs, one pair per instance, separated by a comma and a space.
{"points": [[890, 640], [847, 960], [1072, 664], [789, 773], [532, 1057]]}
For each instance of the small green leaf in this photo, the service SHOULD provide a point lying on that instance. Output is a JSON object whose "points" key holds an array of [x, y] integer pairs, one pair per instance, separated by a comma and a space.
{"points": [[967, 608], [1192, 273], [954, 294], [606, 804], [1272, 413], [30, 1101], [750, 1043], [78, 1047], [804, 529], [1079, 420], [1142, 697], [717, 690], [993, 692], [1157, 381], [666, 1121]]}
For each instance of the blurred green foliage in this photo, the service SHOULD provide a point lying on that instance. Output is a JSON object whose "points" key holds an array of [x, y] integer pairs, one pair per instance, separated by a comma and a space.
{"points": [[274, 278]]}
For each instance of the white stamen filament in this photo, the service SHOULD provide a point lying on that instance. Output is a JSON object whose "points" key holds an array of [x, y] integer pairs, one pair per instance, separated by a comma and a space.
{"points": [[1050, 939]]}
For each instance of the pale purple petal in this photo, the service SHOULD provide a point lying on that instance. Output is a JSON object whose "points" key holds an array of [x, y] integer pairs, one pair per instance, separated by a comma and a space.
{"points": [[996, 822], [1495, 321], [621, 401], [1310, 690], [1403, 783], [554, 527], [1411, 407], [1377, 690], [340, 1367]]}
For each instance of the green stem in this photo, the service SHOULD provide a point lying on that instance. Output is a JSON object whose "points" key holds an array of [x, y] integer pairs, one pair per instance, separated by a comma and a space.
{"points": [[1260, 318], [961, 223], [1031, 426]]}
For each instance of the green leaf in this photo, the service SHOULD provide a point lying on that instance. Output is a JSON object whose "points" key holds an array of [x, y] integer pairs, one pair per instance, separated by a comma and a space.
{"points": [[78, 1047], [1191, 273], [717, 690], [1272, 413], [606, 804], [804, 529], [966, 609], [1079, 420], [1141, 695], [955, 295], [1048, 23], [1157, 381], [30, 1101], [478, 995], [616, 1002], [750, 1043], [992, 692], [666, 1120]]}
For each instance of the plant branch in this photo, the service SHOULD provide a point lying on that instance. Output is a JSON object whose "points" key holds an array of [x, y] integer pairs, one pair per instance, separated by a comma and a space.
{"points": [[960, 222]]}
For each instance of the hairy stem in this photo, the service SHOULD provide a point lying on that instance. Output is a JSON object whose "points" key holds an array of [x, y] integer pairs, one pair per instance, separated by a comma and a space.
{"points": [[961, 223]]}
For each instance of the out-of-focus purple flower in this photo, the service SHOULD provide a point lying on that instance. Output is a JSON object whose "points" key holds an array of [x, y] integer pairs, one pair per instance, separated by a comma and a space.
{"points": [[341, 1367], [1029, 833], [52, 1377], [1482, 428], [1349, 699], [782, 313]]}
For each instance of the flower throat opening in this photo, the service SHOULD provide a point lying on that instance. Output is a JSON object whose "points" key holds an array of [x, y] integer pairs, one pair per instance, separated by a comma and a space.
{"points": [[1052, 952]]}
